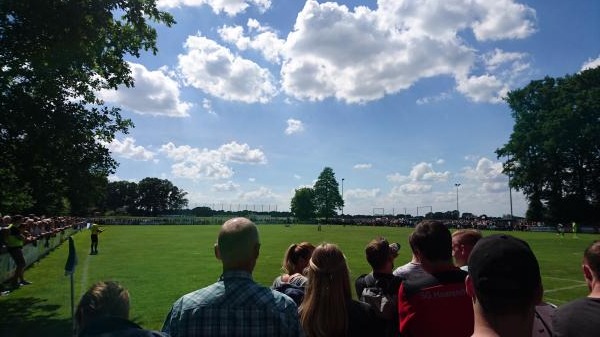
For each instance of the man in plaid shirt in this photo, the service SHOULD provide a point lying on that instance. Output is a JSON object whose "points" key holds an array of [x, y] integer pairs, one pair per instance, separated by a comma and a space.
{"points": [[235, 305]]}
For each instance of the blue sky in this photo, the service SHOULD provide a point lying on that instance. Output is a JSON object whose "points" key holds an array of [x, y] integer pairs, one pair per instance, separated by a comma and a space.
{"points": [[248, 100]]}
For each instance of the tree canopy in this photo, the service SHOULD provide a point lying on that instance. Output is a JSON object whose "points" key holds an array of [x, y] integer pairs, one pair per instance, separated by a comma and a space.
{"points": [[54, 56], [553, 154], [151, 196], [327, 197], [302, 205]]}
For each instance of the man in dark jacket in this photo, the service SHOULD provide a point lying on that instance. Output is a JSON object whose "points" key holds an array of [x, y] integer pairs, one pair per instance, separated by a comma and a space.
{"points": [[380, 287]]}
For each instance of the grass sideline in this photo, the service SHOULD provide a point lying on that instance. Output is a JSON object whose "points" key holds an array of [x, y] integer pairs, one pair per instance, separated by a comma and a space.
{"points": [[158, 264]]}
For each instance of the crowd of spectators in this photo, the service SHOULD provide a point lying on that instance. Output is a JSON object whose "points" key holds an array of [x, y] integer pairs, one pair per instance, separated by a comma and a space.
{"points": [[470, 285], [37, 229], [461, 285]]}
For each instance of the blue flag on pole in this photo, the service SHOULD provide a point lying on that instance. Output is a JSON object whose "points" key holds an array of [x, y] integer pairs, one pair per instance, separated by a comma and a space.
{"points": [[72, 259]]}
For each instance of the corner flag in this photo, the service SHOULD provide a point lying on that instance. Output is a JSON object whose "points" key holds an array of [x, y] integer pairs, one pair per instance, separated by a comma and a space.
{"points": [[72, 259]]}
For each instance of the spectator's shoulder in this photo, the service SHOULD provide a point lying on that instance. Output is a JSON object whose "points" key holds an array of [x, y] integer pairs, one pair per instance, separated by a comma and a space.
{"points": [[282, 301]]}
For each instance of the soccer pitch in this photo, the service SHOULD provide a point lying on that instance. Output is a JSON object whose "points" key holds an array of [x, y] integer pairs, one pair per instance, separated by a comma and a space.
{"points": [[158, 264]]}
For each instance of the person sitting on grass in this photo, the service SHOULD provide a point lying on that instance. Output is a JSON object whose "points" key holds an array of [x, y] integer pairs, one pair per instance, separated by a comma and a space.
{"points": [[103, 311]]}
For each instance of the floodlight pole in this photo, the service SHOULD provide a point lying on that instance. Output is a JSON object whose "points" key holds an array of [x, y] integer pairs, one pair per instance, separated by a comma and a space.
{"points": [[343, 197], [457, 209], [510, 193]]}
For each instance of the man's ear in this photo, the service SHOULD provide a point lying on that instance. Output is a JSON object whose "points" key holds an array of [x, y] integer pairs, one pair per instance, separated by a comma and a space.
{"points": [[587, 273], [257, 250], [217, 252], [469, 286]]}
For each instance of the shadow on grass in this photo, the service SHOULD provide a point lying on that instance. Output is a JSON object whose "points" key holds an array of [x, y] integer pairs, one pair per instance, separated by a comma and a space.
{"points": [[32, 317]]}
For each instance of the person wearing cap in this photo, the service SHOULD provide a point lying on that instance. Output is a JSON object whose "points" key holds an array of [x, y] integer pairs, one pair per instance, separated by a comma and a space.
{"points": [[505, 285], [435, 304], [380, 255], [14, 244], [580, 317], [463, 241]]}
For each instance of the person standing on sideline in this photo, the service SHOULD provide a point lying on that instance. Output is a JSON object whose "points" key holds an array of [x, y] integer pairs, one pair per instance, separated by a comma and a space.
{"points": [[96, 230], [580, 317], [505, 285], [14, 243], [235, 305]]}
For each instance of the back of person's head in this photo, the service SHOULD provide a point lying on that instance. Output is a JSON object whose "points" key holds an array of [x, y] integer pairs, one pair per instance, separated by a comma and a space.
{"points": [[463, 241], [238, 242], [591, 258], [505, 275], [379, 251], [323, 311], [103, 299], [432, 240], [296, 257]]}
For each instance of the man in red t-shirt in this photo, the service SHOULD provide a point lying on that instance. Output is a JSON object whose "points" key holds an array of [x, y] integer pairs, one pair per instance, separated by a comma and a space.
{"points": [[436, 304]]}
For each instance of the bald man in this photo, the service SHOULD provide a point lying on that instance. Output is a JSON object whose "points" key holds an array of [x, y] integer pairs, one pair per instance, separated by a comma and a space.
{"points": [[235, 305]]}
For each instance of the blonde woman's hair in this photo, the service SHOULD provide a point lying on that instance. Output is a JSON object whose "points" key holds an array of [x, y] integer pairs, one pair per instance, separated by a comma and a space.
{"points": [[324, 312], [293, 254]]}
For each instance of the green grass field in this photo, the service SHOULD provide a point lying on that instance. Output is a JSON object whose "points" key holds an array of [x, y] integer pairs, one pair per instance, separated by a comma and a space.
{"points": [[158, 264]]}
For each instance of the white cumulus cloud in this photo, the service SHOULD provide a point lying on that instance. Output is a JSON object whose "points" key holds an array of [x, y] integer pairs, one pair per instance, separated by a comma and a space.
{"points": [[359, 193], [128, 149], [420, 172], [294, 126], [230, 7], [410, 188], [361, 54], [225, 187], [591, 64], [194, 163], [487, 174], [258, 37], [262, 194], [364, 166], [215, 70], [155, 93]]}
